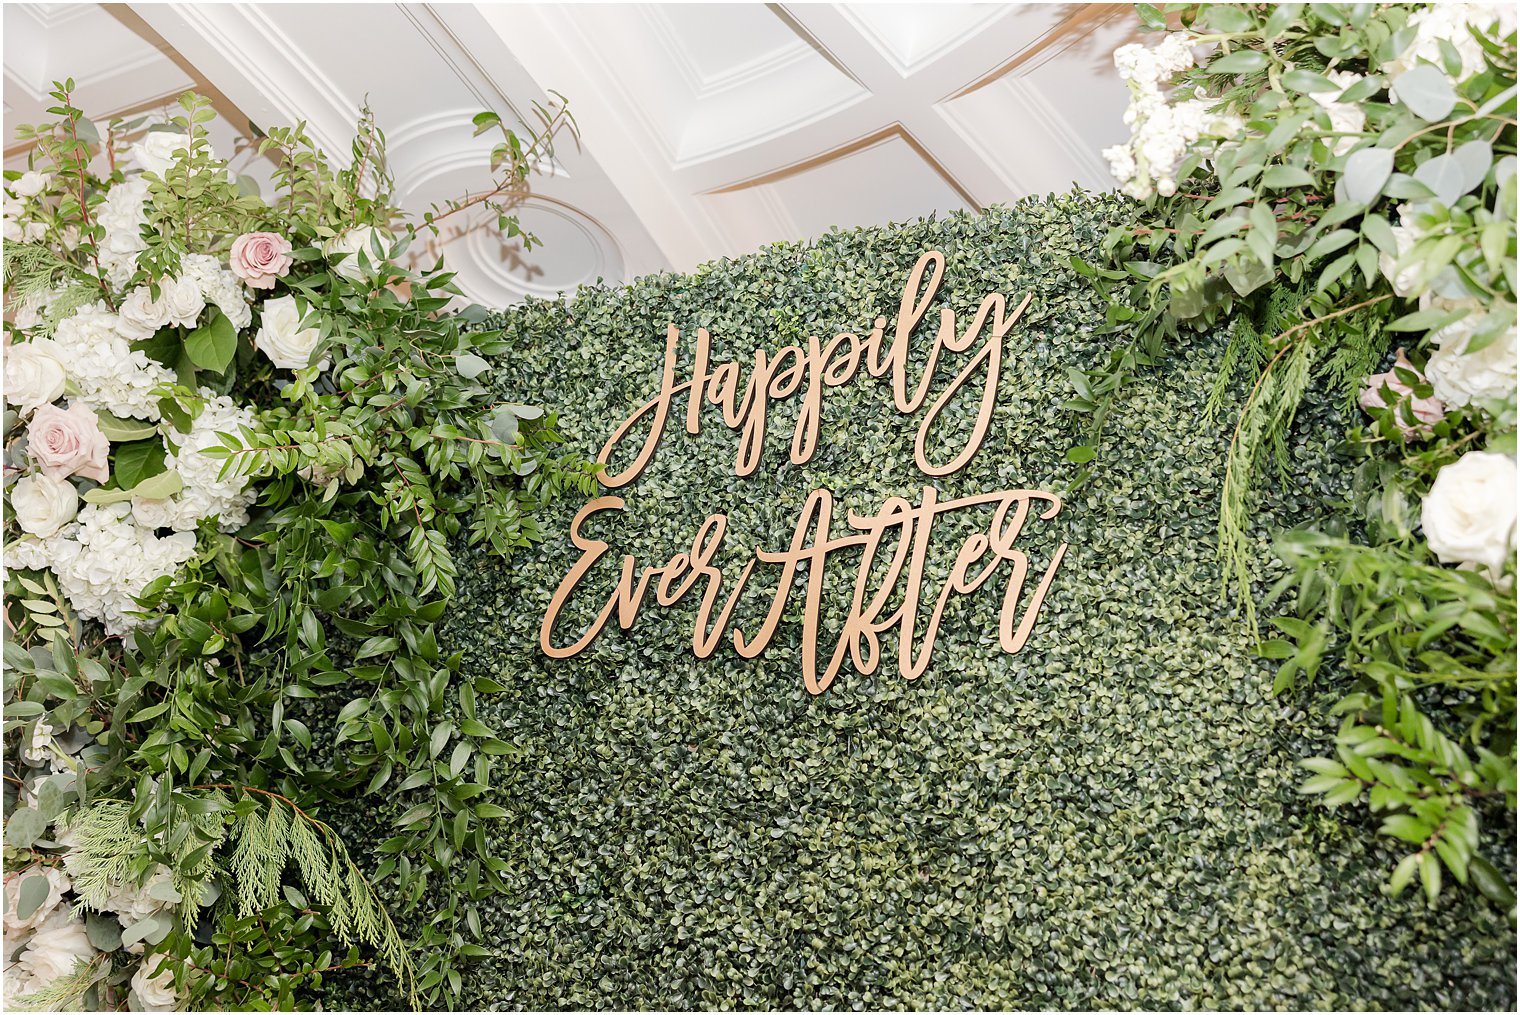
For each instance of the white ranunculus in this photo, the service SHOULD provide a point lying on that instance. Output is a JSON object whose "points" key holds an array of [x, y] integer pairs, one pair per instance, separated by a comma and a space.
{"points": [[30, 184], [154, 985], [141, 315], [42, 505], [182, 301], [34, 374], [57, 882], [1460, 377], [56, 947], [1469, 513], [155, 153], [347, 246], [281, 337]]}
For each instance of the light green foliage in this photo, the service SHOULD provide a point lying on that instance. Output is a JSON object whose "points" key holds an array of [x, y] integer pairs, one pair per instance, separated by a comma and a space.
{"points": [[1286, 234], [1106, 819]]}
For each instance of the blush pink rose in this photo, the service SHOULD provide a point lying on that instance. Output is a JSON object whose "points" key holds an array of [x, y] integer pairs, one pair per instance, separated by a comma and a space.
{"points": [[260, 258], [68, 442], [1426, 411]]}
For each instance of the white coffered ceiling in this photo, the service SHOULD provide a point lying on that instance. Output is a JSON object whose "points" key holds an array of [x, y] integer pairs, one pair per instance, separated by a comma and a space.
{"points": [[708, 130]]}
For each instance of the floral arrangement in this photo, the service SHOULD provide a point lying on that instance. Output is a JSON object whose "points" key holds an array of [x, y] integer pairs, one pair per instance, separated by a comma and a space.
{"points": [[240, 434], [1336, 183]]}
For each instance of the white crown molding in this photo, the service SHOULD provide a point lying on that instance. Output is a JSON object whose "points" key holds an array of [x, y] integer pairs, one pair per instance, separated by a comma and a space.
{"points": [[908, 67], [259, 68]]}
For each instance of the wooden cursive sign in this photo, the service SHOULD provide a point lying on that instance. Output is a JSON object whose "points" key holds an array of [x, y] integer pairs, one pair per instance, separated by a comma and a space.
{"points": [[810, 371]]}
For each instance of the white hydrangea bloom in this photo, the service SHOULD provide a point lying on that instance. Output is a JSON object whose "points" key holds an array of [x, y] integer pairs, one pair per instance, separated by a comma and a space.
{"points": [[204, 494], [104, 559], [1434, 23], [111, 377], [1161, 132], [132, 903], [122, 215], [219, 286]]}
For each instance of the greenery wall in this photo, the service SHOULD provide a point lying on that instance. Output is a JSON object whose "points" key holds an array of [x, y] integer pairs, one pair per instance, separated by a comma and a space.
{"points": [[1107, 819]]}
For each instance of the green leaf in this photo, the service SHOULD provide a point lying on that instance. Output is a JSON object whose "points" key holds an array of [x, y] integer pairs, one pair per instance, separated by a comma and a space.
{"points": [[33, 893], [1287, 176], [1081, 454], [165, 484], [1245, 61], [1403, 873], [1367, 170], [1300, 80], [26, 826], [1426, 91], [470, 366], [212, 345], [136, 461], [118, 430]]}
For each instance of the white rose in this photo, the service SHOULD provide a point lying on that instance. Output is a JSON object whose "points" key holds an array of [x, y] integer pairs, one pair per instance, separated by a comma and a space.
{"points": [[1469, 513], [30, 184], [34, 374], [57, 881], [141, 316], [1460, 377], [281, 337], [155, 153], [154, 984], [1405, 235], [56, 947], [42, 505], [347, 246], [182, 300]]}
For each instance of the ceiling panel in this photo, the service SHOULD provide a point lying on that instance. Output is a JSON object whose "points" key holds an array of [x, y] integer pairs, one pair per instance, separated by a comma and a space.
{"points": [[707, 129]]}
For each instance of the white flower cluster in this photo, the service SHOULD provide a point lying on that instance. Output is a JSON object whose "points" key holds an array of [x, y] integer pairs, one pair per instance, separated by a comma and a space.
{"points": [[1477, 378], [105, 556], [1161, 131], [1346, 118], [122, 215], [109, 375], [1448, 23], [102, 560], [204, 494], [19, 225], [54, 939], [51, 940]]}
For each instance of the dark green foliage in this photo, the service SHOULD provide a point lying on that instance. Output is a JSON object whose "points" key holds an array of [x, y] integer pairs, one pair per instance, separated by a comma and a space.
{"points": [[1107, 819]]}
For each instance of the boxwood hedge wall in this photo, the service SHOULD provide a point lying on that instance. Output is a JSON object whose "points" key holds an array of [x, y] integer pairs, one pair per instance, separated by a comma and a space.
{"points": [[1107, 819]]}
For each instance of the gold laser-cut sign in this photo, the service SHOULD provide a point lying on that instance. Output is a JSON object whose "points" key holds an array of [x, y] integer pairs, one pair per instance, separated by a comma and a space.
{"points": [[810, 371]]}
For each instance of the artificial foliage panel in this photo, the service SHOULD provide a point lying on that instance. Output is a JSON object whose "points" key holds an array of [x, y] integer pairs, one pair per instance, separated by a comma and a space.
{"points": [[1107, 818]]}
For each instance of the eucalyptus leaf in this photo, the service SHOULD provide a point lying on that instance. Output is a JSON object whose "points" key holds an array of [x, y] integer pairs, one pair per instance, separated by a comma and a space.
{"points": [[1367, 170], [1426, 90], [470, 366]]}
